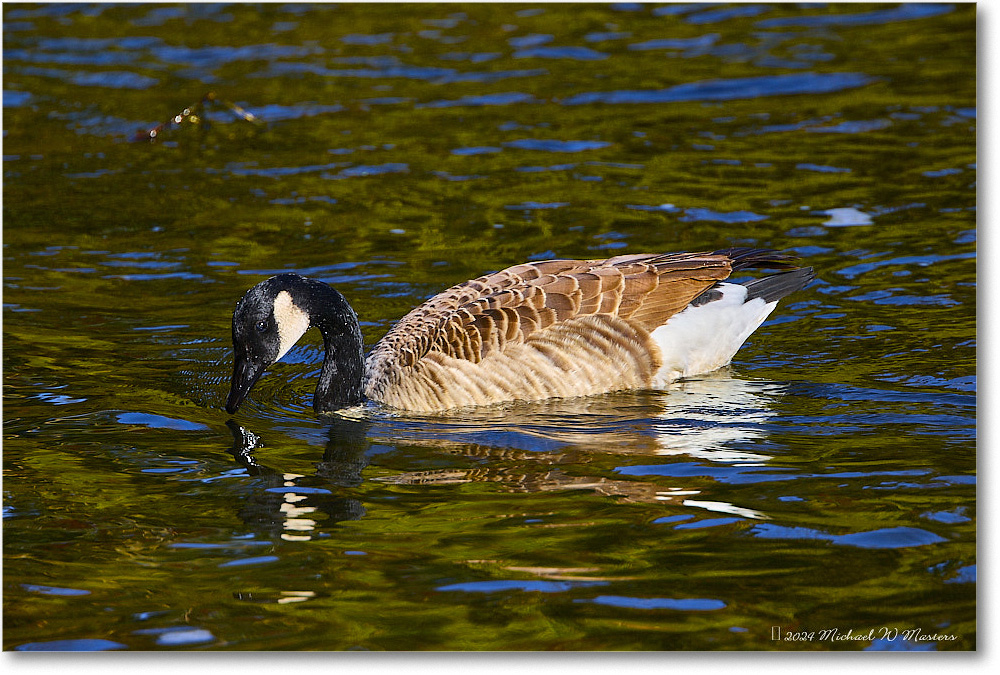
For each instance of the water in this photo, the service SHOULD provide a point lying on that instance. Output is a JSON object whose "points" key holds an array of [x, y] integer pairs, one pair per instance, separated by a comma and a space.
{"points": [[819, 494]]}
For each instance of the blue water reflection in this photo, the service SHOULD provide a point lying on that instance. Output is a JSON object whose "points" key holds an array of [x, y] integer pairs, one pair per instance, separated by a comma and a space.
{"points": [[728, 90], [904, 12], [73, 645], [893, 537], [502, 585], [680, 604]]}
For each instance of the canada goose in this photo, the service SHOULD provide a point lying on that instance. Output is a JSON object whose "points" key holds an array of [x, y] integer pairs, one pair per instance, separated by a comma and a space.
{"points": [[532, 331]]}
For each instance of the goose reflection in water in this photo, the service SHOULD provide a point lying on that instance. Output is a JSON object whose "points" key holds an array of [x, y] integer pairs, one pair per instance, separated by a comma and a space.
{"points": [[290, 504], [525, 447]]}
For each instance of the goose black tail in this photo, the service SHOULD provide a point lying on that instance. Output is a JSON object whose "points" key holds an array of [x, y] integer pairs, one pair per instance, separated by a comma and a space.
{"points": [[776, 286], [761, 258]]}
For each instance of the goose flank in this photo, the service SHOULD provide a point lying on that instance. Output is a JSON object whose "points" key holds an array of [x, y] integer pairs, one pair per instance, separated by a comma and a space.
{"points": [[532, 331]]}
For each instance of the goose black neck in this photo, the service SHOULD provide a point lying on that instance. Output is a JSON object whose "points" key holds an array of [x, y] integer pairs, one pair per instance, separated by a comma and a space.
{"points": [[340, 380]]}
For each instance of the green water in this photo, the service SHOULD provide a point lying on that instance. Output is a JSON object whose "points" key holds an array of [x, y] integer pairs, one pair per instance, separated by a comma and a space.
{"points": [[823, 485]]}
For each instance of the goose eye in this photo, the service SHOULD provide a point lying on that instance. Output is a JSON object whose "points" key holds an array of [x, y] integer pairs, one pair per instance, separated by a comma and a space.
{"points": [[262, 326]]}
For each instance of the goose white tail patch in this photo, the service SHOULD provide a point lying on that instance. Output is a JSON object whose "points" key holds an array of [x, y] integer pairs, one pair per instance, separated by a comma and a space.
{"points": [[292, 322], [701, 339]]}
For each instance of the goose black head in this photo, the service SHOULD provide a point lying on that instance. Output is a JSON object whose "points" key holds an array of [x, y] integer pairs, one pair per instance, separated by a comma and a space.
{"points": [[268, 320]]}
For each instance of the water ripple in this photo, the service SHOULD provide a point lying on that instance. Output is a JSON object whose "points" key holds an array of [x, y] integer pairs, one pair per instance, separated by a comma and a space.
{"points": [[680, 604], [73, 645], [500, 586], [890, 537], [905, 12], [731, 89]]}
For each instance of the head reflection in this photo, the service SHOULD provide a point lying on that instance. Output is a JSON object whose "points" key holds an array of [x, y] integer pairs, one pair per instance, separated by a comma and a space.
{"points": [[294, 506]]}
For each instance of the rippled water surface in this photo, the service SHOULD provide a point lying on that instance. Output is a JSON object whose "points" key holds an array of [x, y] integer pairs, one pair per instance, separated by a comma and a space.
{"points": [[819, 494]]}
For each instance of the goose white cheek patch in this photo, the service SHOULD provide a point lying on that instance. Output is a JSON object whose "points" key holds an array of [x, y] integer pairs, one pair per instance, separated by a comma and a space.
{"points": [[292, 322]]}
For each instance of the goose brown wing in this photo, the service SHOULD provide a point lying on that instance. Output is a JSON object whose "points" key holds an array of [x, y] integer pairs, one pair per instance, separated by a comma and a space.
{"points": [[490, 314]]}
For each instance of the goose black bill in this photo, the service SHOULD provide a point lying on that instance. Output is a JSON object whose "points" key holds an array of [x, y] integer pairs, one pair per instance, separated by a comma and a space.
{"points": [[245, 375]]}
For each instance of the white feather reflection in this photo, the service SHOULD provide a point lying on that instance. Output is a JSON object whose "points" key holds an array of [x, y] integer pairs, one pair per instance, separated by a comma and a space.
{"points": [[715, 418], [705, 418]]}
